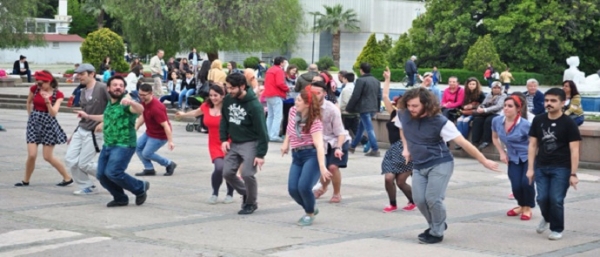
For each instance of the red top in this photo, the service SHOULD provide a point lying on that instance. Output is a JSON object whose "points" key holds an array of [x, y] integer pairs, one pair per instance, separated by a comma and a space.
{"points": [[305, 139], [155, 113], [212, 123], [275, 83], [38, 101]]}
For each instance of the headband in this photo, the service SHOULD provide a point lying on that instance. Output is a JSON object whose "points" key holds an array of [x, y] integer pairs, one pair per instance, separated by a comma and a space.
{"points": [[309, 93], [517, 101], [43, 76]]}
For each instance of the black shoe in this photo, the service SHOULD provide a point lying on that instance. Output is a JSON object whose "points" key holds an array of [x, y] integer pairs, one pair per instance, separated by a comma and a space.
{"points": [[151, 172], [171, 168], [248, 209], [426, 232], [22, 184], [140, 199], [483, 146], [65, 183], [114, 203], [429, 239]]}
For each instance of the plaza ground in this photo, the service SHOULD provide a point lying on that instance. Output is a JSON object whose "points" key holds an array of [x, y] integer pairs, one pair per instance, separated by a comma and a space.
{"points": [[46, 220]]}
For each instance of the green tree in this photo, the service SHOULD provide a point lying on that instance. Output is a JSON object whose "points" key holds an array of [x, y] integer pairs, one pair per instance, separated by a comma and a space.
{"points": [[14, 15], [332, 20], [102, 43], [81, 23], [371, 54], [209, 25], [97, 8], [385, 43], [528, 34], [482, 53], [400, 52]]}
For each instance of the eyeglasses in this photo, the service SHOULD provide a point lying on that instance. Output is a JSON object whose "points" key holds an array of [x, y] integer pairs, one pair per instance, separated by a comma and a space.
{"points": [[143, 95]]}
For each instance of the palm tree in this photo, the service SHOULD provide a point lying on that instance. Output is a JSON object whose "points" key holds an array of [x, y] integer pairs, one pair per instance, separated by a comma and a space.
{"points": [[334, 18], [96, 8]]}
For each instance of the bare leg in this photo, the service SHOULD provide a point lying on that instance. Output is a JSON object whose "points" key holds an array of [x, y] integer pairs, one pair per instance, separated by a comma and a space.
{"points": [[336, 179], [30, 164], [58, 165]]}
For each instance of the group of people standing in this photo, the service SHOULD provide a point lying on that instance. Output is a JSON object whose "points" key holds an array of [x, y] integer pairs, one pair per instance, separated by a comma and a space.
{"points": [[419, 129]]}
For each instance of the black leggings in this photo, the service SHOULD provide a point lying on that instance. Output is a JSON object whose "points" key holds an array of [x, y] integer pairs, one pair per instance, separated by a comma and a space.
{"points": [[217, 178], [400, 181]]}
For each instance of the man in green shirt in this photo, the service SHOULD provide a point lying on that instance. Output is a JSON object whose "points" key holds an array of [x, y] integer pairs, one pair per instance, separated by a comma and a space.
{"points": [[119, 145]]}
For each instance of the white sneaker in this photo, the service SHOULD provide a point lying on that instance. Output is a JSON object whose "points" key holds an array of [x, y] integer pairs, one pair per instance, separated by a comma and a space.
{"points": [[87, 191], [555, 235], [213, 199], [228, 199], [542, 226]]}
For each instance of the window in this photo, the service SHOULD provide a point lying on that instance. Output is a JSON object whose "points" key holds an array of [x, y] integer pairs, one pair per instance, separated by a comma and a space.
{"points": [[40, 27], [55, 44], [30, 27], [51, 28]]}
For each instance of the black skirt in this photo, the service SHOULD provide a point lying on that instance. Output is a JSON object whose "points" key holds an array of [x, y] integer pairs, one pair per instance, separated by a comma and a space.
{"points": [[44, 129]]}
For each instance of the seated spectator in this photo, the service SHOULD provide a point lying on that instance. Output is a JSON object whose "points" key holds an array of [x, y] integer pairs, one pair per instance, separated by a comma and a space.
{"points": [[573, 106], [21, 67], [427, 82], [474, 96], [132, 80], [107, 74], [485, 113], [188, 88], [136, 63], [184, 67], [232, 67], [174, 86], [535, 98], [452, 99]]}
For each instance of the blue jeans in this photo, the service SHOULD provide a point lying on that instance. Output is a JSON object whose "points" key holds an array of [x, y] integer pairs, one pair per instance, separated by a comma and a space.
{"points": [[27, 72], [365, 125], [552, 184], [135, 95], [112, 163], [523, 192], [578, 119], [304, 174], [274, 117], [146, 150], [462, 124], [173, 97], [185, 93]]}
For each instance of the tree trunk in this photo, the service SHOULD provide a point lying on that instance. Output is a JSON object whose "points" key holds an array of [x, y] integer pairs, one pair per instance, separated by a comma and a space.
{"points": [[100, 19], [336, 48], [212, 56]]}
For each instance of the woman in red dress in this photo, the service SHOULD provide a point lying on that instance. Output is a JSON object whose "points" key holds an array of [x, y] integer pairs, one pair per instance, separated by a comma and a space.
{"points": [[212, 118]]}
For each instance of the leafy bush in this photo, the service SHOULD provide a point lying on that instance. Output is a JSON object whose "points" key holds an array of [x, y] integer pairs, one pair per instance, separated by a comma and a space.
{"points": [[325, 63], [70, 71], [371, 54], [333, 68], [102, 43], [225, 65], [462, 76], [481, 53], [386, 43], [299, 62], [251, 62], [400, 52]]}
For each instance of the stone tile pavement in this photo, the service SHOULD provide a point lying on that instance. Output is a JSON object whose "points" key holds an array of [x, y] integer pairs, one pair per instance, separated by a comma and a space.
{"points": [[45, 220]]}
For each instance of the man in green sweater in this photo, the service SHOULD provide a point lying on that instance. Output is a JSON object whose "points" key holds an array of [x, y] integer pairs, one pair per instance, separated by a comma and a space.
{"points": [[243, 123]]}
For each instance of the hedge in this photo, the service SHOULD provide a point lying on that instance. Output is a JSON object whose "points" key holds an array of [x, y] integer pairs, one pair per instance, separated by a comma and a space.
{"points": [[462, 75], [299, 62]]}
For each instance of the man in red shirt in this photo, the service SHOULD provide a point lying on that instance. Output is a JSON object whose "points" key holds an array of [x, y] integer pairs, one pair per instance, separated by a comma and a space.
{"points": [[275, 93], [158, 133]]}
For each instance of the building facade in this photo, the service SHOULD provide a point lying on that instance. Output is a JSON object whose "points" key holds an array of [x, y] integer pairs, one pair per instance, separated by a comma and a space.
{"points": [[391, 17]]}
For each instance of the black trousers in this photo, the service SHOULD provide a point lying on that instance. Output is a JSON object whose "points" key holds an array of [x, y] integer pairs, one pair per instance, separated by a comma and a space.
{"points": [[481, 129], [351, 124]]}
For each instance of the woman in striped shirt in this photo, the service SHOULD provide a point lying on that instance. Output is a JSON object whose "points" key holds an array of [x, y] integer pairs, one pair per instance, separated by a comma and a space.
{"points": [[305, 137]]}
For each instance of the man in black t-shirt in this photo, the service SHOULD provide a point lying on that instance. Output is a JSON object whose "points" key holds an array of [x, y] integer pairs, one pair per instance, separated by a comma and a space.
{"points": [[554, 143]]}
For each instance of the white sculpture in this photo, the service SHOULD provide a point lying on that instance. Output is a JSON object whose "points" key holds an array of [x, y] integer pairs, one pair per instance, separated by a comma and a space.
{"points": [[590, 84]]}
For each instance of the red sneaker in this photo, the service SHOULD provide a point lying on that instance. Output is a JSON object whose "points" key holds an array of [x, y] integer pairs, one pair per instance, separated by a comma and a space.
{"points": [[409, 207], [511, 197], [390, 208]]}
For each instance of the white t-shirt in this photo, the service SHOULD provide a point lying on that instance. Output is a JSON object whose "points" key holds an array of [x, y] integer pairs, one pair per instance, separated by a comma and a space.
{"points": [[449, 131], [21, 65]]}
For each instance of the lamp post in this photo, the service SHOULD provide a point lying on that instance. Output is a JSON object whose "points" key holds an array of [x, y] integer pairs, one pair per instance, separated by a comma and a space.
{"points": [[313, 41]]}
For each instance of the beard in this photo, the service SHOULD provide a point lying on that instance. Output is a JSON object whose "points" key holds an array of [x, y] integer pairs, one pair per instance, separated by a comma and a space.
{"points": [[115, 95], [237, 95], [418, 115]]}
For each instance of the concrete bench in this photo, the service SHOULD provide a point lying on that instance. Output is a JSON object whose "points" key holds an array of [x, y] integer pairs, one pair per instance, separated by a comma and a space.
{"points": [[8, 82], [588, 151]]}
